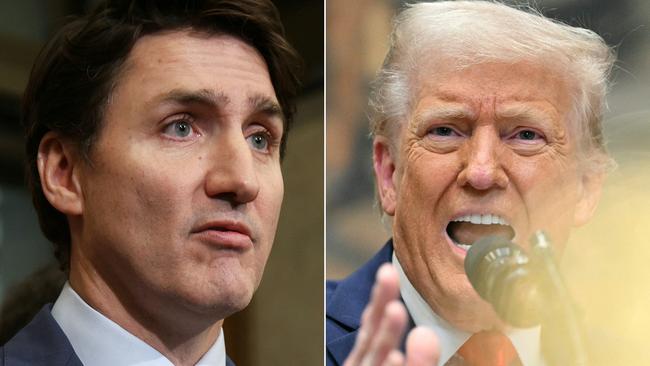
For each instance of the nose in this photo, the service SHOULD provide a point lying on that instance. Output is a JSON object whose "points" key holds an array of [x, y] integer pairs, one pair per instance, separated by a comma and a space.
{"points": [[232, 176], [482, 167]]}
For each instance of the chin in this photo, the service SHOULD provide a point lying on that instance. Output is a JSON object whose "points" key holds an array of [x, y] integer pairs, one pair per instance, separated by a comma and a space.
{"points": [[220, 301], [470, 312]]}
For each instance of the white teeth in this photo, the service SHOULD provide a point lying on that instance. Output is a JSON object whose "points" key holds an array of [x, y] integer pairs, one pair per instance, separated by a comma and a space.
{"points": [[463, 246], [486, 219]]}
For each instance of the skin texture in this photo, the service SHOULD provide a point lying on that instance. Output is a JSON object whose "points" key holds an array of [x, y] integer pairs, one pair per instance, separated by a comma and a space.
{"points": [[174, 216], [466, 147]]}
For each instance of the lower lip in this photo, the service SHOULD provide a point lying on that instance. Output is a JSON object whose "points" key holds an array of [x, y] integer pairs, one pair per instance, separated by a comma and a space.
{"points": [[458, 250], [462, 252], [233, 240]]}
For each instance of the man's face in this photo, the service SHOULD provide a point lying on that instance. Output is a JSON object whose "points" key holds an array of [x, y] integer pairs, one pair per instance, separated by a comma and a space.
{"points": [[486, 150], [182, 195]]}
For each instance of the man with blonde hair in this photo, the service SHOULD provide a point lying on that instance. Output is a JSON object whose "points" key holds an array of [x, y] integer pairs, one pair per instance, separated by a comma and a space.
{"points": [[486, 121]]}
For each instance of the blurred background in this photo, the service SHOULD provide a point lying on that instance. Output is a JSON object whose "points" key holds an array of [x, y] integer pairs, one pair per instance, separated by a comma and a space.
{"points": [[607, 264], [284, 321]]}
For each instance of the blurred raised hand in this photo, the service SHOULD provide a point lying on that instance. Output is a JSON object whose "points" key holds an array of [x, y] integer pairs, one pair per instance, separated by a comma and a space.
{"points": [[383, 323]]}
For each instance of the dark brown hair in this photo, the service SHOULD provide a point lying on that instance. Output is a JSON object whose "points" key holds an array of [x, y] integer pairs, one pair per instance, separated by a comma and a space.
{"points": [[73, 76]]}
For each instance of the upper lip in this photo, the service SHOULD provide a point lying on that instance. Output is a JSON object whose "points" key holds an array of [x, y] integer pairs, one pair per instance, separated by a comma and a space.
{"points": [[224, 225]]}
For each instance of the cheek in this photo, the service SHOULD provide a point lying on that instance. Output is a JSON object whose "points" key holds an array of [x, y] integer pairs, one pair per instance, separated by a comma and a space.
{"points": [[550, 194], [267, 208], [424, 182], [276, 192], [269, 203], [420, 195], [147, 202], [549, 175], [162, 196]]}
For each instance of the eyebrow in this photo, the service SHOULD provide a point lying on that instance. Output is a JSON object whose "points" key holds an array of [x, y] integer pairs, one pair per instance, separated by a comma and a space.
{"points": [[258, 103], [446, 112], [184, 96], [261, 103], [526, 113]]}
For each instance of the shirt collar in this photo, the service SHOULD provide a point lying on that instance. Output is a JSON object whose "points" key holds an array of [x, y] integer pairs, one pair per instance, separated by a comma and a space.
{"points": [[99, 341], [526, 341]]}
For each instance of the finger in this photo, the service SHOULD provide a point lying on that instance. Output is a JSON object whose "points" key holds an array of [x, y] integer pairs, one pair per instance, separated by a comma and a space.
{"points": [[395, 358], [386, 289], [422, 348], [389, 334]]}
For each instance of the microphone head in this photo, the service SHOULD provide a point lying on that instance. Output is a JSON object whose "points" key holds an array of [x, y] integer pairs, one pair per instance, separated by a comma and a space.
{"points": [[501, 274], [475, 260]]}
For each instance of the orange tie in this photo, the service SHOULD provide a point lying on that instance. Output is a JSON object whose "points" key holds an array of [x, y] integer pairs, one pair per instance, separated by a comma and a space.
{"points": [[489, 348]]}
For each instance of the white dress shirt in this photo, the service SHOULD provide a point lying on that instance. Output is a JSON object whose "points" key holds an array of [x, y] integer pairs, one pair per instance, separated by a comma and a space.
{"points": [[526, 341], [98, 341]]}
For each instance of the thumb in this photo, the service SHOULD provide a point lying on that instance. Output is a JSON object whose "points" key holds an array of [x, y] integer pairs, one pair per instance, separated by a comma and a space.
{"points": [[422, 347]]}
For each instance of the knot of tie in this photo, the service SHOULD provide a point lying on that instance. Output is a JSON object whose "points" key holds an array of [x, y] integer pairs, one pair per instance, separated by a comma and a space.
{"points": [[489, 348]]}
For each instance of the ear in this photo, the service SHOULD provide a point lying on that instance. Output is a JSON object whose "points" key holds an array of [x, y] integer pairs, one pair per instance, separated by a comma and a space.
{"points": [[384, 159], [57, 167], [589, 195]]}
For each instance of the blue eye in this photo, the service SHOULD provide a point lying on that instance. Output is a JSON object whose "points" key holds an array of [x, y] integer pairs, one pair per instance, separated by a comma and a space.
{"points": [[528, 135], [258, 141], [443, 131], [180, 129]]}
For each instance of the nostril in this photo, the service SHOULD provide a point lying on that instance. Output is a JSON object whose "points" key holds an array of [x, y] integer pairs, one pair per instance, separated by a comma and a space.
{"points": [[237, 197], [483, 176], [230, 197]]}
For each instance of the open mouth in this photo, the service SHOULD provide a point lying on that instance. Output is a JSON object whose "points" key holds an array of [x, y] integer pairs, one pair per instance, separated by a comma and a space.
{"points": [[466, 230]]}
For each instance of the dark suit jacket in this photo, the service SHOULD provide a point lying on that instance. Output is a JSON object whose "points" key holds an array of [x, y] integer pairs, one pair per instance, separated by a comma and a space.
{"points": [[345, 301], [42, 342]]}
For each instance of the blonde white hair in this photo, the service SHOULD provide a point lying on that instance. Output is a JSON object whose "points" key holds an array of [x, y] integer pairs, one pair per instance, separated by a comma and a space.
{"points": [[467, 33]]}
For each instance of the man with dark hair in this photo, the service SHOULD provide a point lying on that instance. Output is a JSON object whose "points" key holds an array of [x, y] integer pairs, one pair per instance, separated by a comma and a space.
{"points": [[155, 132]]}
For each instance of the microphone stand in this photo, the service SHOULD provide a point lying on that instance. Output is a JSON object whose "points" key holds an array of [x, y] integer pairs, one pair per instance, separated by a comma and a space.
{"points": [[541, 249]]}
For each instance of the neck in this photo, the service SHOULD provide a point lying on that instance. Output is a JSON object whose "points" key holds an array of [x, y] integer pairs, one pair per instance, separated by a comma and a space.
{"points": [[181, 335]]}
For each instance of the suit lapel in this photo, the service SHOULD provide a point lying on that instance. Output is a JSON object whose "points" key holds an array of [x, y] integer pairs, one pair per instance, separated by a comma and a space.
{"points": [[41, 342], [341, 347], [229, 361]]}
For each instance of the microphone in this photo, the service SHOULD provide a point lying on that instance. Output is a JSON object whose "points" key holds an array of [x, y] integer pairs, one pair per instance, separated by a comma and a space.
{"points": [[503, 275], [525, 288]]}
